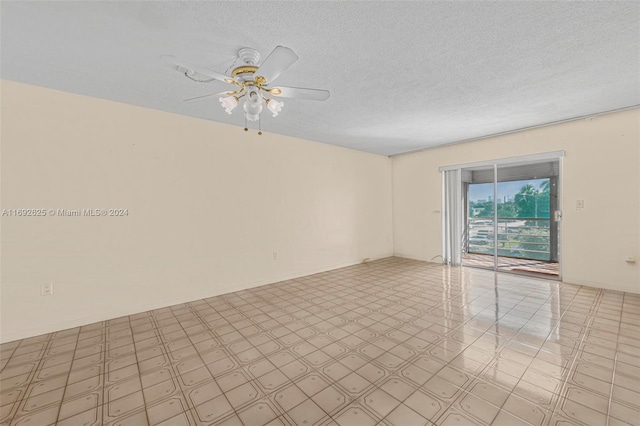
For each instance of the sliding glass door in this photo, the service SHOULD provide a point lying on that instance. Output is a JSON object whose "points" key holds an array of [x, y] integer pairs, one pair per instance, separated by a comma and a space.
{"points": [[527, 229], [479, 235], [511, 216]]}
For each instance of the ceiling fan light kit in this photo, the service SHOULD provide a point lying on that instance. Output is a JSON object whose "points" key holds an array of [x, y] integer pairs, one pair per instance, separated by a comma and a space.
{"points": [[274, 106], [229, 103], [253, 82]]}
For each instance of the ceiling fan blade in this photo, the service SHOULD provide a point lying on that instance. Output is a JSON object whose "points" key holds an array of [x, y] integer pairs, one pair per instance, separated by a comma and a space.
{"points": [[280, 59], [300, 93], [183, 66], [195, 98]]}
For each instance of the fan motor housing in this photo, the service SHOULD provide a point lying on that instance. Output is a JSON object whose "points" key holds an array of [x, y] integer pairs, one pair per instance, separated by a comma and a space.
{"points": [[249, 58]]}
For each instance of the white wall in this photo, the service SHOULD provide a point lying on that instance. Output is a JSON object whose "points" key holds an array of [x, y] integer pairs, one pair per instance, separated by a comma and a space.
{"points": [[208, 204], [601, 167]]}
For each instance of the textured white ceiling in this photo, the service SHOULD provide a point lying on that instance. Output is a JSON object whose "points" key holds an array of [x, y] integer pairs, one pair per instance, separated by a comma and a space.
{"points": [[402, 75]]}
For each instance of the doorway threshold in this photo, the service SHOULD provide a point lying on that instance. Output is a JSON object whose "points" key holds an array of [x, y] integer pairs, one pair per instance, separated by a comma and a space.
{"points": [[536, 268]]}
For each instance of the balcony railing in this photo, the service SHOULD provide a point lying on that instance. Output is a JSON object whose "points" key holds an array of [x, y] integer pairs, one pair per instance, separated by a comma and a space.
{"points": [[525, 238]]}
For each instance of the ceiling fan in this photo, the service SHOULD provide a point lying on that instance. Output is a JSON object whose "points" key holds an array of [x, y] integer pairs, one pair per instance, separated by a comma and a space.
{"points": [[253, 82]]}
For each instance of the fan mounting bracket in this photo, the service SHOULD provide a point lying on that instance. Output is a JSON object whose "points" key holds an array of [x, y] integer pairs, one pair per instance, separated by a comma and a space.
{"points": [[249, 56]]}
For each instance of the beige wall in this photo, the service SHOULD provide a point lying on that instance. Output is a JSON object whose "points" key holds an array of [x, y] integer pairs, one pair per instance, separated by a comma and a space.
{"points": [[208, 205], [601, 167]]}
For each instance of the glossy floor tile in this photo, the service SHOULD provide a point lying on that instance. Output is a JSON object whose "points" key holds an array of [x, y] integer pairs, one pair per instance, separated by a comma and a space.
{"points": [[391, 342]]}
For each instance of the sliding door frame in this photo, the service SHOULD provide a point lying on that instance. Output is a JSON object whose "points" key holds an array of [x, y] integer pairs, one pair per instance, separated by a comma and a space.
{"points": [[551, 156]]}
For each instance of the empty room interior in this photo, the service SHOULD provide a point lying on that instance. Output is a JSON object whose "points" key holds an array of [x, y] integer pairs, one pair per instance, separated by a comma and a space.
{"points": [[320, 213]]}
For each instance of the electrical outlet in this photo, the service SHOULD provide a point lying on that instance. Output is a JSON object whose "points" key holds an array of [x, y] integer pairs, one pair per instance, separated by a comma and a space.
{"points": [[275, 255], [47, 289]]}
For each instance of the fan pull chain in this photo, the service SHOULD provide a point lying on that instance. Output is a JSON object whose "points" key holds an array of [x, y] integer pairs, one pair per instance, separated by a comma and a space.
{"points": [[246, 129], [186, 74], [259, 126]]}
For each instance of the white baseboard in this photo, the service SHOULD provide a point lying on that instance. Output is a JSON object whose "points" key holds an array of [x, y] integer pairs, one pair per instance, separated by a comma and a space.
{"points": [[406, 256], [606, 286]]}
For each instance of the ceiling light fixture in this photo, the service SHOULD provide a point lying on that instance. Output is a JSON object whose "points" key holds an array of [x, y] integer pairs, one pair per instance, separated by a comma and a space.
{"points": [[274, 106], [253, 82], [229, 103], [253, 105]]}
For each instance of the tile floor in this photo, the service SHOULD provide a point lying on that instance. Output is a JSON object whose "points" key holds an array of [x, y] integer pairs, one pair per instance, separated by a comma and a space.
{"points": [[392, 342]]}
